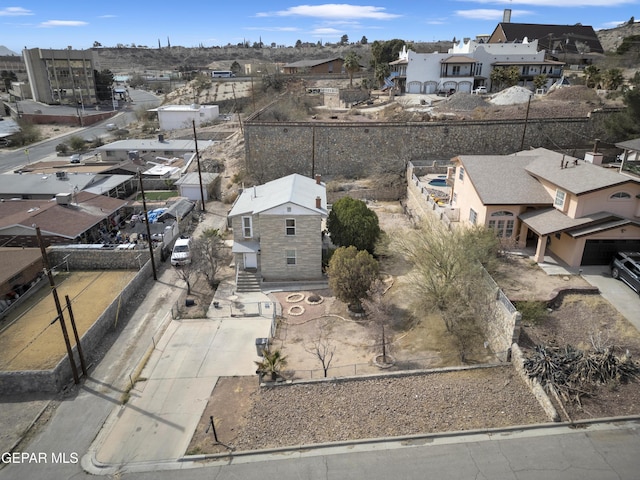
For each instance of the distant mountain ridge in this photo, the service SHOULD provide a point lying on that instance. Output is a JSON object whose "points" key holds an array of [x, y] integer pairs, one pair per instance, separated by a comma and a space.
{"points": [[5, 52]]}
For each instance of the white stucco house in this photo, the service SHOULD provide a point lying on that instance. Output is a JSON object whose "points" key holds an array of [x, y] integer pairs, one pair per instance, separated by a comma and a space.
{"points": [[174, 117], [468, 65]]}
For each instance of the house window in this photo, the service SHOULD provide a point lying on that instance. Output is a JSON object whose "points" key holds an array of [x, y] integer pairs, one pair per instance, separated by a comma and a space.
{"points": [[455, 197], [461, 173], [291, 257], [560, 199], [290, 224], [456, 70], [502, 223], [620, 196], [247, 231], [473, 216]]}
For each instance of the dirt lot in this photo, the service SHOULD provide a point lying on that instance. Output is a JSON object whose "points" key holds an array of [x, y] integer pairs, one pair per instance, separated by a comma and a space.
{"points": [[29, 340], [417, 404]]}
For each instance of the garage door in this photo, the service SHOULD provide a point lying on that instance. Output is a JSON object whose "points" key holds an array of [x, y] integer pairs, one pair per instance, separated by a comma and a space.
{"points": [[599, 252]]}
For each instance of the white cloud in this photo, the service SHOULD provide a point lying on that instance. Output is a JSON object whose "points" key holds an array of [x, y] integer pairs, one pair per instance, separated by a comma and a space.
{"points": [[15, 12], [63, 23], [489, 14], [108, 16], [274, 29], [333, 11], [557, 3], [326, 31]]}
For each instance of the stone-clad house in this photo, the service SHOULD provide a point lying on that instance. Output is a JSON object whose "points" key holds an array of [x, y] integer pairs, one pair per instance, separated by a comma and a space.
{"points": [[277, 229]]}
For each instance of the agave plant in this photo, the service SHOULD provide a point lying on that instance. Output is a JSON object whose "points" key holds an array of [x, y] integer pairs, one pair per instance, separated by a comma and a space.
{"points": [[272, 363]]}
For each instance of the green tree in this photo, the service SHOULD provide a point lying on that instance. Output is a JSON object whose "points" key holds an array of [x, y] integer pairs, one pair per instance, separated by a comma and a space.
{"points": [[447, 276], [8, 77], [351, 222], [298, 43], [352, 65], [385, 52], [236, 68], [612, 78], [272, 363], [76, 143], [625, 125], [505, 77], [446, 260], [591, 76], [539, 81], [344, 40], [104, 84], [381, 72], [351, 274], [363, 40]]}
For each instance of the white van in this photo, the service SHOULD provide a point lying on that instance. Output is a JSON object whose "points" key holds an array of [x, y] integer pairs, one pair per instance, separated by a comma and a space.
{"points": [[181, 254]]}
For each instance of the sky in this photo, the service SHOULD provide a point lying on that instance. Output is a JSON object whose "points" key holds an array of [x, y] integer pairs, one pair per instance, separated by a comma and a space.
{"points": [[59, 24]]}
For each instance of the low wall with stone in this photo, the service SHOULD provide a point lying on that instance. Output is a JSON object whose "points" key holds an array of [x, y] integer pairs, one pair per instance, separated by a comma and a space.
{"points": [[51, 381], [517, 359], [99, 258]]}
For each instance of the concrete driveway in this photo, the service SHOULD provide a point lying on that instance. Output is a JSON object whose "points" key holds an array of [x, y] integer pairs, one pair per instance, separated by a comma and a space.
{"points": [[167, 402], [618, 293]]}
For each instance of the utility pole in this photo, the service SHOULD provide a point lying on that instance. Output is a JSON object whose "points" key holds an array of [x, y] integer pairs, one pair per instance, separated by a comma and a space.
{"points": [[195, 139], [60, 317], [146, 221], [526, 120], [83, 365]]}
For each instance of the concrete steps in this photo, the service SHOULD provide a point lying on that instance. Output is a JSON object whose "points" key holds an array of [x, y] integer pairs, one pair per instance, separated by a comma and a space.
{"points": [[248, 281]]}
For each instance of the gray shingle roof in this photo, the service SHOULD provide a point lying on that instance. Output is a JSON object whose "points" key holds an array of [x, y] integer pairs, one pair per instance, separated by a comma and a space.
{"points": [[577, 178], [502, 180], [552, 220], [296, 189]]}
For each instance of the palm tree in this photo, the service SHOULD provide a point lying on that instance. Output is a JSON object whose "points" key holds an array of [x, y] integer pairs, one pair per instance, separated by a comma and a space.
{"points": [[351, 65], [272, 363], [612, 78]]}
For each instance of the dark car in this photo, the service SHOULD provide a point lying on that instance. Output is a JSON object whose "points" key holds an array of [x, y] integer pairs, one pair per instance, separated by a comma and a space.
{"points": [[625, 266]]}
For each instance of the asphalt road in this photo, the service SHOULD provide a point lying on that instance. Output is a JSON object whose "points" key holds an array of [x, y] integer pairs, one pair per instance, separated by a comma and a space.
{"points": [[12, 159]]}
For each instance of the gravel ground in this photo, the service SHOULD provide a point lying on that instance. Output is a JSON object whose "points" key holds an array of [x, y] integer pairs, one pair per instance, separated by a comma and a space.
{"points": [[392, 406]]}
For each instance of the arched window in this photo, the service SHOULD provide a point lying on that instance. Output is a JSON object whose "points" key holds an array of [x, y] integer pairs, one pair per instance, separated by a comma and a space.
{"points": [[620, 196], [502, 223]]}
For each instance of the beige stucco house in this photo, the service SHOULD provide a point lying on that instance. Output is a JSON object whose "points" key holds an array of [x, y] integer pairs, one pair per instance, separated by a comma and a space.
{"points": [[277, 229], [575, 209]]}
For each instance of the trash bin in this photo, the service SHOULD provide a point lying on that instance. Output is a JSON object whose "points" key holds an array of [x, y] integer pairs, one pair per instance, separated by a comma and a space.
{"points": [[261, 344]]}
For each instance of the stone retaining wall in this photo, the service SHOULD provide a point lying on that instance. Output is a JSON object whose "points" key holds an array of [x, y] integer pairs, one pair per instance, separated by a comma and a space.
{"points": [[358, 149]]}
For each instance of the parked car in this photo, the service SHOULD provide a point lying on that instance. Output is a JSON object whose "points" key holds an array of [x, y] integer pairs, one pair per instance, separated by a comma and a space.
{"points": [[75, 158], [111, 127], [480, 90], [181, 254], [625, 266]]}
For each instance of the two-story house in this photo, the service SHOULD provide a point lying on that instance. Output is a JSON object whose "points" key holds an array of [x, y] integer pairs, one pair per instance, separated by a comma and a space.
{"points": [[578, 210], [469, 64], [277, 229]]}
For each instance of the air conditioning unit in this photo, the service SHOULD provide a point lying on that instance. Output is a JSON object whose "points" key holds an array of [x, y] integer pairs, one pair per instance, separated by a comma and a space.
{"points": [[63, 198], [61, 175]]}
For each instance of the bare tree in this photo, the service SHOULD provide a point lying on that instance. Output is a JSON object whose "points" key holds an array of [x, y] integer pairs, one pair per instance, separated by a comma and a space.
{"points": [[186, 273], [379, 312], [210, 253], [323, 349]]}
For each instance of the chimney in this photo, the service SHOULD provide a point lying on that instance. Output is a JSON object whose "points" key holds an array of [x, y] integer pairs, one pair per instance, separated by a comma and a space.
{"points": [[506, 16], [318, 178], [160, 138], [318, 202]]}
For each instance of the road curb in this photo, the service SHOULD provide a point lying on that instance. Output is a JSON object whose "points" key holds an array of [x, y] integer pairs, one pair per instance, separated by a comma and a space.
{"points": [[93, 466]]}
